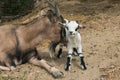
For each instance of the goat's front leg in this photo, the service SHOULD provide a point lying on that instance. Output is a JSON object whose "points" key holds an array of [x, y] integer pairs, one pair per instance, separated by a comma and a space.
{"points": [[69, 59], [83, 65], [42, 63], [68, 64], [60, 51]]}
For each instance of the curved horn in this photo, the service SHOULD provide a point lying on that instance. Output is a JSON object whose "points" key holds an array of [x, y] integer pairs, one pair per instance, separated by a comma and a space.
{"points": [[54, 7]]}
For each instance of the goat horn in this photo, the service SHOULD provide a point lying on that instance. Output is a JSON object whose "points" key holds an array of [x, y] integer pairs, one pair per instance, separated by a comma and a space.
{"points": [[54, 7]]}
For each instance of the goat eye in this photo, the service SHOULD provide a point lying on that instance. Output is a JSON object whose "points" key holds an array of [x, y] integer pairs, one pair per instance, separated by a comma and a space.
{"points": [[76, 29]]}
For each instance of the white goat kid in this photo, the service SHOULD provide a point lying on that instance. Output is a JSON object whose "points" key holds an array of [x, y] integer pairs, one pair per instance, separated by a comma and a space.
{"points": [[73, 43]]}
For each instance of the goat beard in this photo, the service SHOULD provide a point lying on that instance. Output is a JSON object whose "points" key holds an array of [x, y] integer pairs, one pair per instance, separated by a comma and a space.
{"points": [[52, 48]]}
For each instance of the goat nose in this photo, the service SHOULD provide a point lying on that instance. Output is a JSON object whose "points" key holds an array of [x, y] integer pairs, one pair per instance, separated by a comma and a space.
{"points": [[71, 32]]}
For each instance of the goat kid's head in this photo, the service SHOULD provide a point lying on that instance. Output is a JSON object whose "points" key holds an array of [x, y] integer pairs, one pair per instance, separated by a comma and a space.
{"points": [[72, 26]]}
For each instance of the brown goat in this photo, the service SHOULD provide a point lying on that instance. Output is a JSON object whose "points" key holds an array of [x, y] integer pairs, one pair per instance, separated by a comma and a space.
{"points": [[18, 43]]}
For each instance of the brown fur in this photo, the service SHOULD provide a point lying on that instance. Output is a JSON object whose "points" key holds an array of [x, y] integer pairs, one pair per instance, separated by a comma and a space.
{"points": [[18, 43]]}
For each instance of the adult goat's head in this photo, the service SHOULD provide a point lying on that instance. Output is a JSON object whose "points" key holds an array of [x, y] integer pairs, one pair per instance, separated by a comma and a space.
{"points": [[54, 12]]}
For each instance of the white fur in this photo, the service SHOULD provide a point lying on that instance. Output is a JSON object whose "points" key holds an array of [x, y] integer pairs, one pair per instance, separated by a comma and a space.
{"points": [[74, 39]]}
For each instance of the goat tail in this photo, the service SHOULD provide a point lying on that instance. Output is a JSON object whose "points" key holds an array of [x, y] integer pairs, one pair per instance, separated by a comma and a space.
{"points": [[52, 48]]}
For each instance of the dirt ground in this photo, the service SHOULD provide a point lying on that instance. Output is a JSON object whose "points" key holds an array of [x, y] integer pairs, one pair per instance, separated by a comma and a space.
{"points": [[100, 41]]}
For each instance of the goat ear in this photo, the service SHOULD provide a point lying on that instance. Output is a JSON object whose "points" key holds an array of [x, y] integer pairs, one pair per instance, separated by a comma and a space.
{"points": [[43, 13], [63, 24], [82, 26], [66, 21], [77, 22]]}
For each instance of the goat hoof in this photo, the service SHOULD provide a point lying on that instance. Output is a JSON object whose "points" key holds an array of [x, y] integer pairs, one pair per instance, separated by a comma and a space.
{"points": [[4, 68], [56, 73], [67, 68], [59, 57], [83, 67], [12, 68]]}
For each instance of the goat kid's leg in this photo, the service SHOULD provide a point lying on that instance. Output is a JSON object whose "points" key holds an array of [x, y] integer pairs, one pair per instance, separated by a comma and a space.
{"points": [[59, 55], [69, 58], [83, 65], [42, 63], [68, 64]]}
